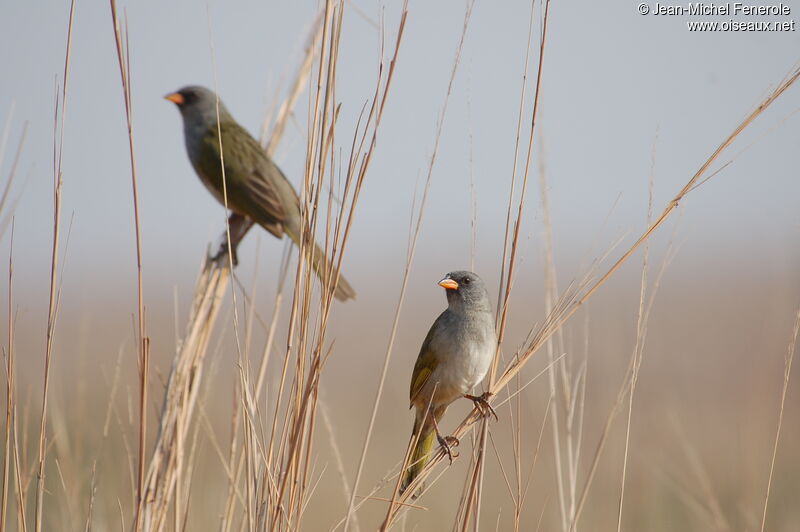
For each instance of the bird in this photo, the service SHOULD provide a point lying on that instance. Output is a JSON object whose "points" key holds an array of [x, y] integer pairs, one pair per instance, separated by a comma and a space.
{"points": [[455, 357], [256, 189]]}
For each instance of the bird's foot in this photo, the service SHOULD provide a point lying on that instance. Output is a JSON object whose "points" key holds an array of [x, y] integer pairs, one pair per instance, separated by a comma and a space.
{"points": [[222, 252], [482, 404], [447, 443]]}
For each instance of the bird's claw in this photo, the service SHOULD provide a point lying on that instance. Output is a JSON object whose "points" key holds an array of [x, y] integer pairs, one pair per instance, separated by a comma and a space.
{"points": [[222, 252], [447, 443], [482, 404]]}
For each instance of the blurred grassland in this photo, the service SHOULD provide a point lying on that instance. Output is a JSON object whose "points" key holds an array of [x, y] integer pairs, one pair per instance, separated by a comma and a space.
{"points": [[703, 421]]}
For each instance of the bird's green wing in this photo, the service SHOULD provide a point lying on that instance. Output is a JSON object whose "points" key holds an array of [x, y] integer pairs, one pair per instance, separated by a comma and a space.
{"points": [[426, 363], [256, 187], [264, 184]]}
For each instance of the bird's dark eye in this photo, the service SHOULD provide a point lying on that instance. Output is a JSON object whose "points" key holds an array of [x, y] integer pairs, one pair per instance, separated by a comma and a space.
{"points": [[467, 280], [189, 97]]}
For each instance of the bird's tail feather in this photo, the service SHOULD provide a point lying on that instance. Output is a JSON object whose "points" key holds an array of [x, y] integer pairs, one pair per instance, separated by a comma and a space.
{"points": [[426, 438], [321, 266]]}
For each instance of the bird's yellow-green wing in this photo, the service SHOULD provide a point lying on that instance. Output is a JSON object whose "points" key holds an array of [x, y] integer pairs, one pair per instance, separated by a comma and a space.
{"points": [[263, 181], [256, 187], [425, 365]]}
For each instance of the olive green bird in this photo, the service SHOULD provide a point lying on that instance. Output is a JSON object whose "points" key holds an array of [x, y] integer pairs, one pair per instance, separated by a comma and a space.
{"points": [[454, 358], [257, 191]]}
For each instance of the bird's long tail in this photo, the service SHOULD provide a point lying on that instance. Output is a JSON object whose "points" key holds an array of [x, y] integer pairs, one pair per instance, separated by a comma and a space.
{"points": [[321, 266], [425, 434]]}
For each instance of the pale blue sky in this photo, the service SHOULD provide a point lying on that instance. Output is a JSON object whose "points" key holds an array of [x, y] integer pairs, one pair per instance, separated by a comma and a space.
{"points": [[613, 79]]}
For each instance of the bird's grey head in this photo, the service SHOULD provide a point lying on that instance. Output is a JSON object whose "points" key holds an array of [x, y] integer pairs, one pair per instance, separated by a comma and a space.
{"points": [[198, 105], [465, 290]]}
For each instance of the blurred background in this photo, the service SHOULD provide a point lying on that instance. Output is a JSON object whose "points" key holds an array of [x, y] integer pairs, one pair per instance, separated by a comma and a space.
{"points": [[625, 98]]}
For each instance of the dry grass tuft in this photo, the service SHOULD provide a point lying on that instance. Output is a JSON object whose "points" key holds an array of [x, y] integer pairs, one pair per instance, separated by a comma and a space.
{"points": [[566, 307], [270, 471]]}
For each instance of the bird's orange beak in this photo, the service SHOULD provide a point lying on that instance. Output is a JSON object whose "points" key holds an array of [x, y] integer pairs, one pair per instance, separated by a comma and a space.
{"points": [[175, 97], [448, 284]]}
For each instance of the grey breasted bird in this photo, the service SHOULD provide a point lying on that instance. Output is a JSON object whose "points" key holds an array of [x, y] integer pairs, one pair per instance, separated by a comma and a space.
{"points": [[256, 188], [454, 358]]}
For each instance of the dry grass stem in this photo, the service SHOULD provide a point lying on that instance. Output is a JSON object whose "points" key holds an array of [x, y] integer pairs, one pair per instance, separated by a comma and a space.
{"points": [[10, 383], [275, 462], [52, 312], [8, 211], [577, 295], [473, 500], [142, 342], [787, 373], [406, 272], [181, 394]]}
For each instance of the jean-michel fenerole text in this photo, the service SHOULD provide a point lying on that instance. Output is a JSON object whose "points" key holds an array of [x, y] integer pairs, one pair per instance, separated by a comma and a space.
{"points": [[727, 8]]}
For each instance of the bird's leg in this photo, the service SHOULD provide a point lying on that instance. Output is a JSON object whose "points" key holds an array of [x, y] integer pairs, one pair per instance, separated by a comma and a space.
{"points": [[447, 442], [482, 404], [238, 226]]}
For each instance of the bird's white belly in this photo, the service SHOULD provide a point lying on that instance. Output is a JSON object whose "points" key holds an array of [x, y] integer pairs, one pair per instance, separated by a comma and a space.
{"points": [[462, 374], [463, 366]]}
